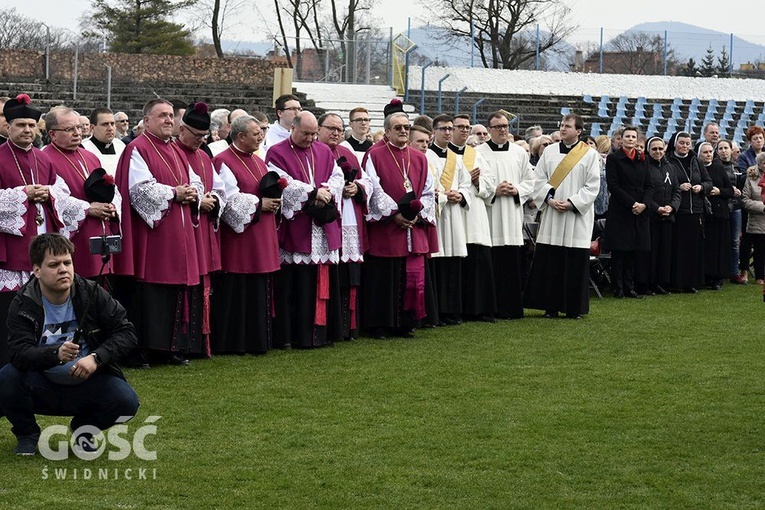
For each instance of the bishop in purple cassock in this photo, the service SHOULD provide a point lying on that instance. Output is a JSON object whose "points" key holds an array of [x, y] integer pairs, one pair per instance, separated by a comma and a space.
{"points": [[308, 312], [159, 219], [243, 306], [394, 268], [75, 165]]}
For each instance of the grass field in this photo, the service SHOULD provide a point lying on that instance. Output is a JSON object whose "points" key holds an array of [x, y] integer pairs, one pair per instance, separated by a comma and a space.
{"points": [[656, 403]]}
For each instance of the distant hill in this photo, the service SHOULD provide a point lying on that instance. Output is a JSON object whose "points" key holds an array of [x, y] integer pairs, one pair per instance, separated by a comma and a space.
{"points": [[687, 40], [692, 41]]}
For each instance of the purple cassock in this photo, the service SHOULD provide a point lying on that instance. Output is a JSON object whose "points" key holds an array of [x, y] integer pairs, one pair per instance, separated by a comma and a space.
{"points": [[308, 311], [156, 229], [74, 167], [20, 217], [249, 242], [399, 171], [308, 169], [208, 238]]}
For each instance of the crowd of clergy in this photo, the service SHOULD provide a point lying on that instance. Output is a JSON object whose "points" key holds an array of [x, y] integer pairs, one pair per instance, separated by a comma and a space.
{"points": [[239, 235]]}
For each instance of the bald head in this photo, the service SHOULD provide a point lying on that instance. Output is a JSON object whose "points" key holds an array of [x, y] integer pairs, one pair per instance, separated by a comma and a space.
{"points": [[304, 129]]}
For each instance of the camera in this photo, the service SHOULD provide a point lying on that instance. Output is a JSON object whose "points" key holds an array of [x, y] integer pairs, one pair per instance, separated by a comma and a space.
{"points": [[105, 245]]}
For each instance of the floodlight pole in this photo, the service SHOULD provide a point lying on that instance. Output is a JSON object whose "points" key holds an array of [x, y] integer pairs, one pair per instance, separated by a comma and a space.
{"points": [[457, 100], [422, 88], [439, 90]]}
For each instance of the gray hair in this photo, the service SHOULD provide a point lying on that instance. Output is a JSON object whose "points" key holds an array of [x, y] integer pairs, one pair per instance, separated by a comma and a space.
{"points": [[51, 119], [242, 125], [218, 118], [389, 119]]}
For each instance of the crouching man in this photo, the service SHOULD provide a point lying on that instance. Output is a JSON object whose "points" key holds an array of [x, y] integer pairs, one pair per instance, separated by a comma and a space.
{"points": [[64, 352]]}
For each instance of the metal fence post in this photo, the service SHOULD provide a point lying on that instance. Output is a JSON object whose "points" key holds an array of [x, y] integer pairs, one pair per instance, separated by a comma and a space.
{"points": [[108, 86], [422, 89], [457, 100]]}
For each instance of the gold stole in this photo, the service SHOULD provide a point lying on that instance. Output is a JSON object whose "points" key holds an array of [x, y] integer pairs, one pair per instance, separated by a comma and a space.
{"points": [[447, 176], [567, 164]]}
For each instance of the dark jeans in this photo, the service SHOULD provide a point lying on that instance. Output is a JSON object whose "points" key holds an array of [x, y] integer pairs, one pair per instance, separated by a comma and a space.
{"points": [[99, 401]]}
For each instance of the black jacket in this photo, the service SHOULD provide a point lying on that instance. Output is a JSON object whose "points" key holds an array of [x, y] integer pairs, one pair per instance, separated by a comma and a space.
{"points": [[720, 180], [628, 182], [666, 190], [690, 202], [106, 327]]}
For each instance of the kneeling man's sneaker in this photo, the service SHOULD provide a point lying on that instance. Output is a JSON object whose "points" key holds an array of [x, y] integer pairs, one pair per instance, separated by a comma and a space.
{"points": [[27, 445]]}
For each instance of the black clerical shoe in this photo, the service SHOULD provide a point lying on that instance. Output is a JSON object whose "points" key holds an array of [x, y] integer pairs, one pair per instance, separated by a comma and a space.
{"points": [[551, 315], [378, 334], [618, 294], [690, 290], [658, 289], [451, 319], [486, 318], [27, 445], [177, 360], [634, 295], [574, 316]]}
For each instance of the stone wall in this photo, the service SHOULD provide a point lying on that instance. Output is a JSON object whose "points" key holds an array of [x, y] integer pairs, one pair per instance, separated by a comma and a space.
{"points": [[15, 64]]}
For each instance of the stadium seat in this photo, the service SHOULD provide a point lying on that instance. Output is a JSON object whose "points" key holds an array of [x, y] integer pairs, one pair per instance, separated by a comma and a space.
{"points": [[658, 111], [749, 107], [565, 110], [588, 99], [595, 129]]}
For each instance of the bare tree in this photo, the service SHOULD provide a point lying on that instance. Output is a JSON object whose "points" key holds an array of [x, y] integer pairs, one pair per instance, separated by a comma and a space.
{"points": [[504, 31], [21, 32], [216, 16], [348, 24], [638, 53]]}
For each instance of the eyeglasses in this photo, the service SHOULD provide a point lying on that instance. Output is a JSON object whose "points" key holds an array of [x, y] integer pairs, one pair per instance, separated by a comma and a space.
{"points": [[123, 121], [545, 144], [360, 120], [500, 126], [445, 129], [401, 127], [196, 135], [462, 128], [293, 108], [70, 130], [333, 129], [657, 149]]}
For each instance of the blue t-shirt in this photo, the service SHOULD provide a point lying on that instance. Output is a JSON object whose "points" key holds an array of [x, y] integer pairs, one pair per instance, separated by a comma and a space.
{"points": [[59, 327]]}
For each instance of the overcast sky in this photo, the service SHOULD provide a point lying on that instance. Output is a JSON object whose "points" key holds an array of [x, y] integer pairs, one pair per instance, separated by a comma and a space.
{"points": [[590, 15]]}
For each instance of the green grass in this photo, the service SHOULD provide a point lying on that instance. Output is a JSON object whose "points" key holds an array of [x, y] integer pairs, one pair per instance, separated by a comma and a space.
{"points": [[657, 403]]}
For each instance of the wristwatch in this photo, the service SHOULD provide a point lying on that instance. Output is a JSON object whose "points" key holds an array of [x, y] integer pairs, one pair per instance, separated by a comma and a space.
{"points": [[95, 357]]}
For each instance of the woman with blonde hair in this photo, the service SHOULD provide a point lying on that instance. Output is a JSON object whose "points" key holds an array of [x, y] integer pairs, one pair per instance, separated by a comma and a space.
{"points": [[538, 145]]}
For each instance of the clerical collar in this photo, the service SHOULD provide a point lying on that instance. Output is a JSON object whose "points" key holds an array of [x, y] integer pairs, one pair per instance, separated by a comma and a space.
{"points": [[14, 144], [352, 137], [396, 146], [359, 145], [103, 148], [498, 148], [457, 149], [565, 148], [158, 138], [235, 146], [681, 156], [441, 153]]}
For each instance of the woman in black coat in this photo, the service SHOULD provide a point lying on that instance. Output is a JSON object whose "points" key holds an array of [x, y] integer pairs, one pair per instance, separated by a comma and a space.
{"points": [[661, 207], [627, 228], [717, 220], [695, 184]]}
